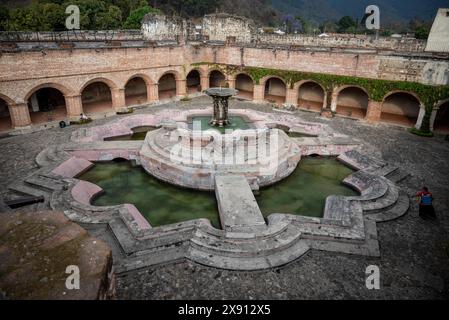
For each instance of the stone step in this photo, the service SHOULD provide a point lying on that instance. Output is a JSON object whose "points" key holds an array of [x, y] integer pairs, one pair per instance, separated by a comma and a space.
{"points": [[248, 263], [388, 199], [370, 186], [169, 255], [383, 171], [358, 161], [397, 175], [44, 182], [28, 190], [398, 209], [246, 247]]}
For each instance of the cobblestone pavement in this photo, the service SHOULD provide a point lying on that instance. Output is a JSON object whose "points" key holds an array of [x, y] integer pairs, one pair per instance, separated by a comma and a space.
{"points": [[414, 263]]}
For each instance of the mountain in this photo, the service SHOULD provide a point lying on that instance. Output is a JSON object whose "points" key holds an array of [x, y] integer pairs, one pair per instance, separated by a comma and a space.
{"points": [[390, 10]]}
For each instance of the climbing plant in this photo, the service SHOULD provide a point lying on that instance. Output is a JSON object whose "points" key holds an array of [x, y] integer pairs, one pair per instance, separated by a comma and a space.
{"points": [[377, 89]]}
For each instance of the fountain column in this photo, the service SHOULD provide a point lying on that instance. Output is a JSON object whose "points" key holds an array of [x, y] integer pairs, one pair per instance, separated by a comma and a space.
{"points": [[220, 97]]}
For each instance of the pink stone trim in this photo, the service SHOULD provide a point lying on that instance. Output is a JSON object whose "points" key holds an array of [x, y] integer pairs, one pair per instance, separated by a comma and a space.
{"points": [[104, 155], [84, 192], [72, 167], [142, 223]]}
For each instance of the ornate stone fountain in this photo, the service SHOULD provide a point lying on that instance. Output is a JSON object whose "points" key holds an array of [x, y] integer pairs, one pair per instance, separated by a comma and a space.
{"points": [[221, 99]]}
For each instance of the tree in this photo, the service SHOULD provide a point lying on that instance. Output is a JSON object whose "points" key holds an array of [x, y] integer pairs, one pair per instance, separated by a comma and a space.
{"points": [[328, 27], [346, 25], [4, 18], [52, 17], [109, 20], [422, 32], [135, 18]]}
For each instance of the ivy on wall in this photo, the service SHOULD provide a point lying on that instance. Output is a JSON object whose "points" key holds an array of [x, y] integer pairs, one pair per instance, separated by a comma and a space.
{"points": [[377, 89]]}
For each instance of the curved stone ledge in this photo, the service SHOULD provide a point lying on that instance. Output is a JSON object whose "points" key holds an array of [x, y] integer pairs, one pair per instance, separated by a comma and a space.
{"points": [[125, 126], [84, 192]]}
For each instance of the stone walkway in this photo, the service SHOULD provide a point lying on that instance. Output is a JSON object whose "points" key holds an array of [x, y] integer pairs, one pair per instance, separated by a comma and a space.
{"points": [[413, 263]]}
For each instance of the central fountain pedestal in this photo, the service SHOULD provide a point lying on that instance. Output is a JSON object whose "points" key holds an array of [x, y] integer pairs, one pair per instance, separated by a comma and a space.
{"points": [[221, 103]]}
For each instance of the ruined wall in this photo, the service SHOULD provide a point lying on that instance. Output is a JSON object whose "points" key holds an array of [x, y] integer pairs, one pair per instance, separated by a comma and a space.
{"points": [[76, 35], [159, 27], [422, 68], [408, 45], [218, 27]]}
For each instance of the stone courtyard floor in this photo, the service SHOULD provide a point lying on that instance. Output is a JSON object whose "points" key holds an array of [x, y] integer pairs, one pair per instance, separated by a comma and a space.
{"points": [[414, 261]]}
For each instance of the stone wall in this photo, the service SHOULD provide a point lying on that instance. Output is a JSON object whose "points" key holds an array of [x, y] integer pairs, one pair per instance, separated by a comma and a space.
{"points": [[219, 27], [343, 41], [159, 27], [77, 35]]}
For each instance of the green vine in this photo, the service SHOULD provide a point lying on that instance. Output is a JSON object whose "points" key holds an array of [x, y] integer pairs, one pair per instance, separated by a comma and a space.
{"points": [[377, 89]]}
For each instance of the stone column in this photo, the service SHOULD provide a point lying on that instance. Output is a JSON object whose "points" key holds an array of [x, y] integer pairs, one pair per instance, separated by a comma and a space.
{"points": [[204, 83], [181, 88], [259, 93], [373, 111], [334, 99], [74, 106], [231, 82], [329, 104], [291, 97], [152, 93], [422, 113], [118, 98], [20, 115], [433, 116]]}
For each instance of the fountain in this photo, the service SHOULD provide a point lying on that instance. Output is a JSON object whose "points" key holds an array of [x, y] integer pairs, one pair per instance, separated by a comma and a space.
{"points": [[221, 98]]}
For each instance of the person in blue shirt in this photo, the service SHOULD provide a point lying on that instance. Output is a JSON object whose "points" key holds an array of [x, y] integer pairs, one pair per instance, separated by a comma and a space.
{"points": [[426, 209]]}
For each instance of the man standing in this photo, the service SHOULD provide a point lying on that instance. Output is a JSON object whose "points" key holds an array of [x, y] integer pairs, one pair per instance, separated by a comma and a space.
{"points": [[426, 209]]}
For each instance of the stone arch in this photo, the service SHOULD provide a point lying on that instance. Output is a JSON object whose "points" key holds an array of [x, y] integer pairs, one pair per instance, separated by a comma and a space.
{"points": [[167, 85], [244, 83], [96, 95], [352, 101], [193, 81], [136, 92], [57, 86], [5, 113], [47, 102], [110, 83], [441, 122], [217, 79], [275, 89], [401, 107], [311, 95]]}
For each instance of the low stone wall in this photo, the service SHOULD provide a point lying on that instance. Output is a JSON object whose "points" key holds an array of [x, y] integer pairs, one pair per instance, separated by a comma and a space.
{"points": [[77, 35], [343, 41]]}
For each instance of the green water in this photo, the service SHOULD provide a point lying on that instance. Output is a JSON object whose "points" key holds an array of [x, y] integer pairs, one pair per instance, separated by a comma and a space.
{"points": [[236, 123], [305, 191], [160, 203]]}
